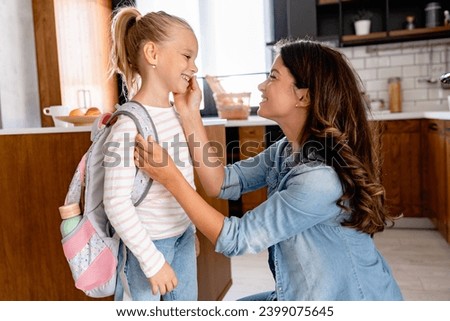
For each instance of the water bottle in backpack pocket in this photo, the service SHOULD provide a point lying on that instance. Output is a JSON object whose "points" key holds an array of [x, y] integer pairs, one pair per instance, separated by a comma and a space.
{"points": [[71, 216]]}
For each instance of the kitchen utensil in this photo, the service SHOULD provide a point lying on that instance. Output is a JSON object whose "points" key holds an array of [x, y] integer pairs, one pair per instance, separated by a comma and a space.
{"points": [[54, 112]]}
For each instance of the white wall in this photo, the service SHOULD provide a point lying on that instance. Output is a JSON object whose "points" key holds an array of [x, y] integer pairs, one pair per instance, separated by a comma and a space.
{"points": [[19, 94], [414, 62]]}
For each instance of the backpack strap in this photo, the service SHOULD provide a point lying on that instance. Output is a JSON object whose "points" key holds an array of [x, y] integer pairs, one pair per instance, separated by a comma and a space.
{"points": [[145, 127]]}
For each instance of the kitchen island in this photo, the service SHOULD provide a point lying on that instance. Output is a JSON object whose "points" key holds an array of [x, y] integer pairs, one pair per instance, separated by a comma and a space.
{"points": [[37, 166]]}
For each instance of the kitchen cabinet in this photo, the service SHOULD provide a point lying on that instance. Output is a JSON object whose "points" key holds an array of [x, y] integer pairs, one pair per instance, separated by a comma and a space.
{"points": [[245, 142], [435, 174], [401, 154], [287, 21], [415, 171], [251, 143], [242, 143], [72, 52], [447, 175], [213, 269], [388, 22], [36, 171], [332, 21], [401, 172]]}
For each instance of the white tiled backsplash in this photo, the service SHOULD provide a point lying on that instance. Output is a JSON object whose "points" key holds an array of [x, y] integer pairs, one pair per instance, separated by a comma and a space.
{"points": [[416, 63]]}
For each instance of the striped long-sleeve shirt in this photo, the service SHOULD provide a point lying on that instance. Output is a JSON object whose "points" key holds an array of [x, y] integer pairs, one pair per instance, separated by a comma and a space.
{"points": [[159, 215]]}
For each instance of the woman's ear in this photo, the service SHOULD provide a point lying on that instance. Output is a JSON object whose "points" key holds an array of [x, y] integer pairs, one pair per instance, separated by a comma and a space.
{"points": [[303, 97], [151, 53]]}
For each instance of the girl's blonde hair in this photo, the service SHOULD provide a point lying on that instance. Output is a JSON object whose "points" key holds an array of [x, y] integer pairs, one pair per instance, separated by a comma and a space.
{"points": [[129, 30]]}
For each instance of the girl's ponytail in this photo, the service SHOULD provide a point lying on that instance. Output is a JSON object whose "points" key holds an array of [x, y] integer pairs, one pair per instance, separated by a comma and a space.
{"points": [[123, 53]]}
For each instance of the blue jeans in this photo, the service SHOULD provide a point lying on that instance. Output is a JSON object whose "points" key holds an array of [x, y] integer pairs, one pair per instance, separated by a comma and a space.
{"points": [[264, 296], [179, 252]]}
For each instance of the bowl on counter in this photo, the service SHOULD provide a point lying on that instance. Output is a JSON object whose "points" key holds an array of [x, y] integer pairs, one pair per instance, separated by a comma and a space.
{"points": [[232, 106], [78, 120]]}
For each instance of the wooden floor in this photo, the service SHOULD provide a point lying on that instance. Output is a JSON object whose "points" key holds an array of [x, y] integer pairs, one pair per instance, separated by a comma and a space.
{"points": [[418, 255]]}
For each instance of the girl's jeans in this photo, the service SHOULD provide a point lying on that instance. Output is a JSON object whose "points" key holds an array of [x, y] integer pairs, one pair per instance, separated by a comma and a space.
{"points": [[179, 252]]}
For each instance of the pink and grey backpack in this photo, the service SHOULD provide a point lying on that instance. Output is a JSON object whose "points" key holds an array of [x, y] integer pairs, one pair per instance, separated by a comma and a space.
{"points": [[91, 249]]}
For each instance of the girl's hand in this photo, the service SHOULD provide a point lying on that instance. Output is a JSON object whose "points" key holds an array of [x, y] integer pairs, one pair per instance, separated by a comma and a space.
{"points": [[164, 281], [154, 160], [191, 99]]}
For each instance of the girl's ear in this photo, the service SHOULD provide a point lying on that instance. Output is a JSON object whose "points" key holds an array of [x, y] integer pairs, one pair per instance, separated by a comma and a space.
{"points": [[303, 97], [150, 52]]}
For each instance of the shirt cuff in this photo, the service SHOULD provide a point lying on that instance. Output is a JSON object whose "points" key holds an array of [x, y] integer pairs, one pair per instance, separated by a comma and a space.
{"points": [[231, 187], [157, 263]]}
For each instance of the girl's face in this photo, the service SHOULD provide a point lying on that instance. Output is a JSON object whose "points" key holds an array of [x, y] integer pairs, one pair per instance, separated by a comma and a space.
{"points": [[176, 60], [279, 94]]}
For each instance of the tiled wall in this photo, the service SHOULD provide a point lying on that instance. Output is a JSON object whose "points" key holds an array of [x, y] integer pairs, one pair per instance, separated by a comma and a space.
{"points": [[419, 64]]}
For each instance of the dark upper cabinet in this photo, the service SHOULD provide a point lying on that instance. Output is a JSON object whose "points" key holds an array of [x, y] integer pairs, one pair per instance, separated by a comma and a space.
{"points": [[294, 19], [332, 20]]}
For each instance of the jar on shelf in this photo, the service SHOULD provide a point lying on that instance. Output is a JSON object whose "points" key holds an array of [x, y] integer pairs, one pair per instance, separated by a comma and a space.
{"points": [[433, 15], [395, 94]]}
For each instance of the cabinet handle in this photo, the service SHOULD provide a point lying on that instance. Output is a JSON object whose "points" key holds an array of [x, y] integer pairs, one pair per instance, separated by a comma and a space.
{"points": [[433, 126]]}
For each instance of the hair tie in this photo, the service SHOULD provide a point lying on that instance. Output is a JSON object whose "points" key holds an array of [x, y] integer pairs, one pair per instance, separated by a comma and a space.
{"points": [[131, 23]]}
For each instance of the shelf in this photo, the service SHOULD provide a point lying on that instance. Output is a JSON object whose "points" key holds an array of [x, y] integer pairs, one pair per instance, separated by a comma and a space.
{"points": [[397, 35], [419, 31], [326, 2], [354, 39]]}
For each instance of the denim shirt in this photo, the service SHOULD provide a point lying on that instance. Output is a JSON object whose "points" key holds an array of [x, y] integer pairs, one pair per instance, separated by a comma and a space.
{"points": [[311, 255]]}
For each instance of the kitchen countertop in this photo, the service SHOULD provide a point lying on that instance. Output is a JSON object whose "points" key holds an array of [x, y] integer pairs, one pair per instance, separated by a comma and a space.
{"points": [[378, 115], [51, 130], [386, 115], [252, 120]]}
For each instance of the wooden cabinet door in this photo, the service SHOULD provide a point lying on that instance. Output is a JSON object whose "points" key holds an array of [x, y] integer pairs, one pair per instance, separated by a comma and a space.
{"points": [[251, 143], [434, 173], [401, 170], [213, 269], [447, 176]]}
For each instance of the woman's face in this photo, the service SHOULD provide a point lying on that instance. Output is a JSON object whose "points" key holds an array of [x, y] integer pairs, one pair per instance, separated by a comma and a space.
{"points": [[279, 94]]}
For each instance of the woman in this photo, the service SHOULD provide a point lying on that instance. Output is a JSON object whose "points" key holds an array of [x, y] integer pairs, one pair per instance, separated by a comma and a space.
{"points": [[325, 200]]}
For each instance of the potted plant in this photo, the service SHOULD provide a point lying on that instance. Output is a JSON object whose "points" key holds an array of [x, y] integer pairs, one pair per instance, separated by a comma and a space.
{"points": [[362, 22]]}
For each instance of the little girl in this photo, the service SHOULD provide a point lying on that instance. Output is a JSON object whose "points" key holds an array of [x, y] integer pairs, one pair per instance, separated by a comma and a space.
{"points": [[155, 56]]}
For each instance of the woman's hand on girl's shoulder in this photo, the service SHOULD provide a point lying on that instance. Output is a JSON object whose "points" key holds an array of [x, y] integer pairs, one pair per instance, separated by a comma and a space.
{"points": [[191, 99], [154, 160]]}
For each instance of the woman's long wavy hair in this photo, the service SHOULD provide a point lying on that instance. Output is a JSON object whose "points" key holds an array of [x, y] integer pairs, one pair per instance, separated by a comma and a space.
{"points": [[337, 120], [129, 30]]}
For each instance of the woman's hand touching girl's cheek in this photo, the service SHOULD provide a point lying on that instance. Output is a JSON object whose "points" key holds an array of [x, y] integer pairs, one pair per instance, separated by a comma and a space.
{"points": [[191, 99]]}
